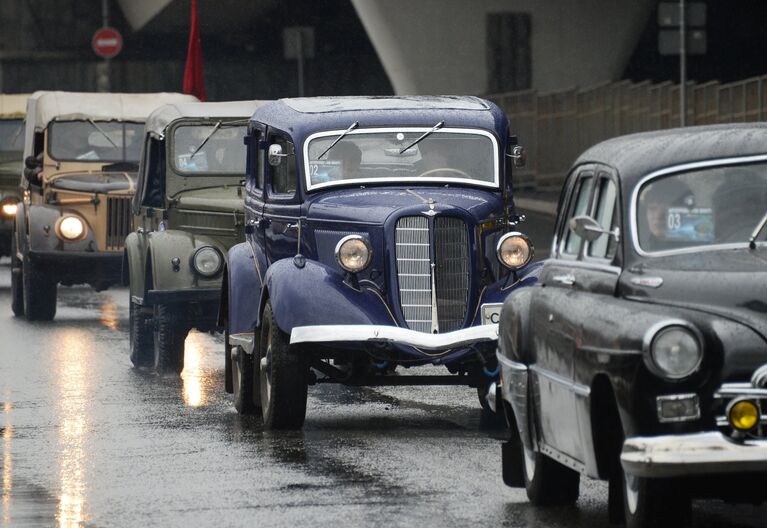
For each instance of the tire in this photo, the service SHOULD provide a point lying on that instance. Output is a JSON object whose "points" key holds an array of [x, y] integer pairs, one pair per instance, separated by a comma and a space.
{"points": [[17, 281], [243, 378], [282, 377], [512, 458], [39, 293], [655, 502], [169, 335], [141, 337], [548, 483]]}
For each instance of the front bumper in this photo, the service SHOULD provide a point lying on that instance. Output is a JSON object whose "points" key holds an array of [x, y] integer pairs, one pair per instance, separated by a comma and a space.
{"points": [[394, 335], [195, 295], [79, 267], [709, 453]]}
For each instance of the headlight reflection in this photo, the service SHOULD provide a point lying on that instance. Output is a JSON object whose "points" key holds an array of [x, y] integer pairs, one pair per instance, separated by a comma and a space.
{"points": [[195, 394]]}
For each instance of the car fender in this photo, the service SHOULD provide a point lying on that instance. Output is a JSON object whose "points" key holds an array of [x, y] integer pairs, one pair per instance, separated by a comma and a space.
{"points": [[20, 228], [165, 246], [134, 264], [316, 294], [242, 300], [41, 231], [499, 291]]}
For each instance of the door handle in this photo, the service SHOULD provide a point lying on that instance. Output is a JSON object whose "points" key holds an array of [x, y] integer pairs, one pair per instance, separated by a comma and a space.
{"points": [[567, 280]]}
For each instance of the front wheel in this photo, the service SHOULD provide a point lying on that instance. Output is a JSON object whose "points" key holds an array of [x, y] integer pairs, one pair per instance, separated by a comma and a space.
{"points": [[141, 336], [17, 281], [243, 378], [654, 502], [169, 335], [282, 377], [39, 292], [547, 482]]}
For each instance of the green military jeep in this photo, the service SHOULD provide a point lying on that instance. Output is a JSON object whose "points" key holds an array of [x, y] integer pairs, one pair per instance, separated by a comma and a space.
{"points": [[187, 212], [12, 109]]}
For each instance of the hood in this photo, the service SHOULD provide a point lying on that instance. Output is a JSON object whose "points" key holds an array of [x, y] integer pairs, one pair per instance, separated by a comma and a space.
{"points": [[731, 283], [221, 198], [375, 205], [94, 182]]}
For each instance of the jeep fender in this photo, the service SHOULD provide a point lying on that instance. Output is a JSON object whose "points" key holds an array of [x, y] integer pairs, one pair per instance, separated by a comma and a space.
{"points": [[163, 247], [20, 228], [41, 231], [243, 299], [134, 264], [316, 294]]}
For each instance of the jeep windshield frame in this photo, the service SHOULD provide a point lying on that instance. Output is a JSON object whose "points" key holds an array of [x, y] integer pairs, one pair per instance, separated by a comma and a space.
{"points": [[92, 132], [454, 156], [216, 128]]}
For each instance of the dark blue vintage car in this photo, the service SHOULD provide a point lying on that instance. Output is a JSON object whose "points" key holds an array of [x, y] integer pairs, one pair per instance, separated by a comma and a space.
{"points": [[640, 356], [380, 234]]}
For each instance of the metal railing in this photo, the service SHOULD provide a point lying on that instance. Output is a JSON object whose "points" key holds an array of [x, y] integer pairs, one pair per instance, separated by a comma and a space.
{"points": [[556, 127]]}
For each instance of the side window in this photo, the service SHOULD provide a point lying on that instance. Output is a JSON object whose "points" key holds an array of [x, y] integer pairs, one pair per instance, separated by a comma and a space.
{"points": [[606, 213], [257, 159], [579, 205], [284, 174], [154, 177]]}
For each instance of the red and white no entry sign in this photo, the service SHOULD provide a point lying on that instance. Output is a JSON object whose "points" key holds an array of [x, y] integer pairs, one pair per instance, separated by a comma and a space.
{"points": [[107, 42]]}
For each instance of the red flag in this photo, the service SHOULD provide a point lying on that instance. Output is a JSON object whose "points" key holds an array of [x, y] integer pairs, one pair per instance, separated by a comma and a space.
{"points": [[194, 75]]}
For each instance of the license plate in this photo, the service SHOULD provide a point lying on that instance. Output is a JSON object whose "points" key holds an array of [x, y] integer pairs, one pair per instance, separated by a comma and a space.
{"points": [[491, 313]]}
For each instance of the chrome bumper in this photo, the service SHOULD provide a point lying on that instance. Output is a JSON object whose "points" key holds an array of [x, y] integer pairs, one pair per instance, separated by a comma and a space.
{"points": [[393, 334], [692, 454]]}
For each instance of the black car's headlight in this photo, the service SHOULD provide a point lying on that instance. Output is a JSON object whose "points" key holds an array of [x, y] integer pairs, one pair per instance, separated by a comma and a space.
{"points": [[675, 350], [207, 261], [514, 250], [353, 253]]}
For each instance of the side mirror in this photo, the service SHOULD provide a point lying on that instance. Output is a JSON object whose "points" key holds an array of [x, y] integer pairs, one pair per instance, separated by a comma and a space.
{"points": [[276, 154], [519, 155], [589, 229]]}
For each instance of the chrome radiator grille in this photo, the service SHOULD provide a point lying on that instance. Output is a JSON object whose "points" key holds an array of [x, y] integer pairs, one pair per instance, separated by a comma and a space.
{"points": [[433, 297], [118, 221]]}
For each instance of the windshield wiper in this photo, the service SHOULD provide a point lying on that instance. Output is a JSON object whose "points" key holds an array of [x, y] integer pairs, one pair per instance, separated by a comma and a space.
{"points": [[339, 138], [757, 230], [424, 136], [215, 128], [103, 133]]}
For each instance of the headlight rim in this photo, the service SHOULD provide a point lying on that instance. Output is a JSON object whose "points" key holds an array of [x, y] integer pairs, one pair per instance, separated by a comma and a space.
{"points": [[505, 237], [62, 218], [339, 245], [201, 273], [649, 339]]}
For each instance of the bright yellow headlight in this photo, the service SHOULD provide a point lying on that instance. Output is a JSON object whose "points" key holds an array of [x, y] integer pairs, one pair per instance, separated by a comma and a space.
{"points": [[353, 253], [9, 209], [71, 228], [743, 415], [514, 250]]}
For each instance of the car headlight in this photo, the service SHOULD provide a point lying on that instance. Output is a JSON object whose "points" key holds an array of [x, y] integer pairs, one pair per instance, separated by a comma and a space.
{"points": [[675, 351], [9, 209], [353, 253], [207, 261], [70, 228], [514, 250]]}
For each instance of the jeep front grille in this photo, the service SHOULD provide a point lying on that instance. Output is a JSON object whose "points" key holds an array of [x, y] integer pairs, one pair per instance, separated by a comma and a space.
{"points": [[9, 181], [118, 221], [433, 287]]}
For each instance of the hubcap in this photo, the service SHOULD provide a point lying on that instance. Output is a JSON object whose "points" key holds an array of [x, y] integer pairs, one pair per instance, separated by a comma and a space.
{"points": [[632, 492]]}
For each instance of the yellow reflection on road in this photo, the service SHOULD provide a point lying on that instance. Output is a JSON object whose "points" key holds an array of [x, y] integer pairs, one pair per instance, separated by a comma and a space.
{"points": [[109, 315], [7, 465], [71, 362], [195, 393]]}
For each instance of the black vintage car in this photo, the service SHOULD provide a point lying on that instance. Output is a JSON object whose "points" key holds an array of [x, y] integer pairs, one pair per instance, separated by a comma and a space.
{"points": [[640, 357]]}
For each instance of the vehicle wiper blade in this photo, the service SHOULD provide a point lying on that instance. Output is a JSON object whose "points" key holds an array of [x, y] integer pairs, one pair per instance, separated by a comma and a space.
{"points": [[215, 128], [757, 230], [94, 125], [339, 138], [424, 136]]}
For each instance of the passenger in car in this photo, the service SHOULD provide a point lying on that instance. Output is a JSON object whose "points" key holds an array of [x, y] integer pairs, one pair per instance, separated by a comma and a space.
{"points": [[350, 157]]}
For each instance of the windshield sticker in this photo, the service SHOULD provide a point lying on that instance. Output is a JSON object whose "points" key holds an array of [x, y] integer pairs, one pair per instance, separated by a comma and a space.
{"points": [[190, 163], [322, 171], [694, 225]]}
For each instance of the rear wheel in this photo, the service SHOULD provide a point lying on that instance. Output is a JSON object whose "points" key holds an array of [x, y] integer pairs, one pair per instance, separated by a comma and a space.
{"points": [[17, 281], [655, 502], [243, 378], [141, 336], [39, 293], [169, 335], [547, 482], [282, 377]]}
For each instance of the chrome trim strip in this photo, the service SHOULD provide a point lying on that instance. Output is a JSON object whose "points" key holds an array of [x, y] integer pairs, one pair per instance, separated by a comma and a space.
{"points": [[577, 388], [393, 334], [671, 170], [731, 390], [246, 341]]}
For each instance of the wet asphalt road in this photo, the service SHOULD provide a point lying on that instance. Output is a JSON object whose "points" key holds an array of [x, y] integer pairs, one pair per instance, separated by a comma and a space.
{"points": [[86, 440]]}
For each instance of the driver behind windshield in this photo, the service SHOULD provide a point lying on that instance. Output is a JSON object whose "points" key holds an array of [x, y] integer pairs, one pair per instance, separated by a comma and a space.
{"points": [[668, 217]]}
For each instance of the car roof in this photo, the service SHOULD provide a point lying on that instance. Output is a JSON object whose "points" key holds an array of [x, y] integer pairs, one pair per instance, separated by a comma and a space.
{"points": [[636, 155], [163, 116], [13, 106], [44, 107], [306, 115]]}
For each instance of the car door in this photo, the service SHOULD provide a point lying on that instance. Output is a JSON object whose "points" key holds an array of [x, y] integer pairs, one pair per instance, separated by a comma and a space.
{"points": [[282, 208], [556, 317], [254, 192]]}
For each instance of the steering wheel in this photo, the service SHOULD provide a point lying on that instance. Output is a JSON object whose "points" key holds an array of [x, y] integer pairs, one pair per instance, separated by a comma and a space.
{"points": [[445, 169]]}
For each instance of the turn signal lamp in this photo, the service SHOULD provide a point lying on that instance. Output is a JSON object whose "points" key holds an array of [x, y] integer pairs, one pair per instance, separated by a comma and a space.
{"points": [[743, 415]]}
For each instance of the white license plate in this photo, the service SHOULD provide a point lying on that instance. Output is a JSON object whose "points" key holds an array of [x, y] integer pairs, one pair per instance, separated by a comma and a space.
{"points": [[491, 313]]}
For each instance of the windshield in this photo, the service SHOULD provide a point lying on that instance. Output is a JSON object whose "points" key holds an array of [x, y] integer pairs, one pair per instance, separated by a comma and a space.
{"points": [[95, 141], [711, 206], [209, 149], [365, 156], [11, 135]]}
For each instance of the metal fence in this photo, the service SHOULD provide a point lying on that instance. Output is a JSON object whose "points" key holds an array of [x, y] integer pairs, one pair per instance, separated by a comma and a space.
{"points": [[556, 127]]}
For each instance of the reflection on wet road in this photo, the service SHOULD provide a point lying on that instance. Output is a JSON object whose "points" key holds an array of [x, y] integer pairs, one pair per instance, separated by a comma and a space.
{"points": [[89, 441]]}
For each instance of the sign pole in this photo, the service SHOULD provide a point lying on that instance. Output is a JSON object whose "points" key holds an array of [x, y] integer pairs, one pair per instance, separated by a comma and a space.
{"points": [[682, 65], [104, 74], [300, 50]]}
